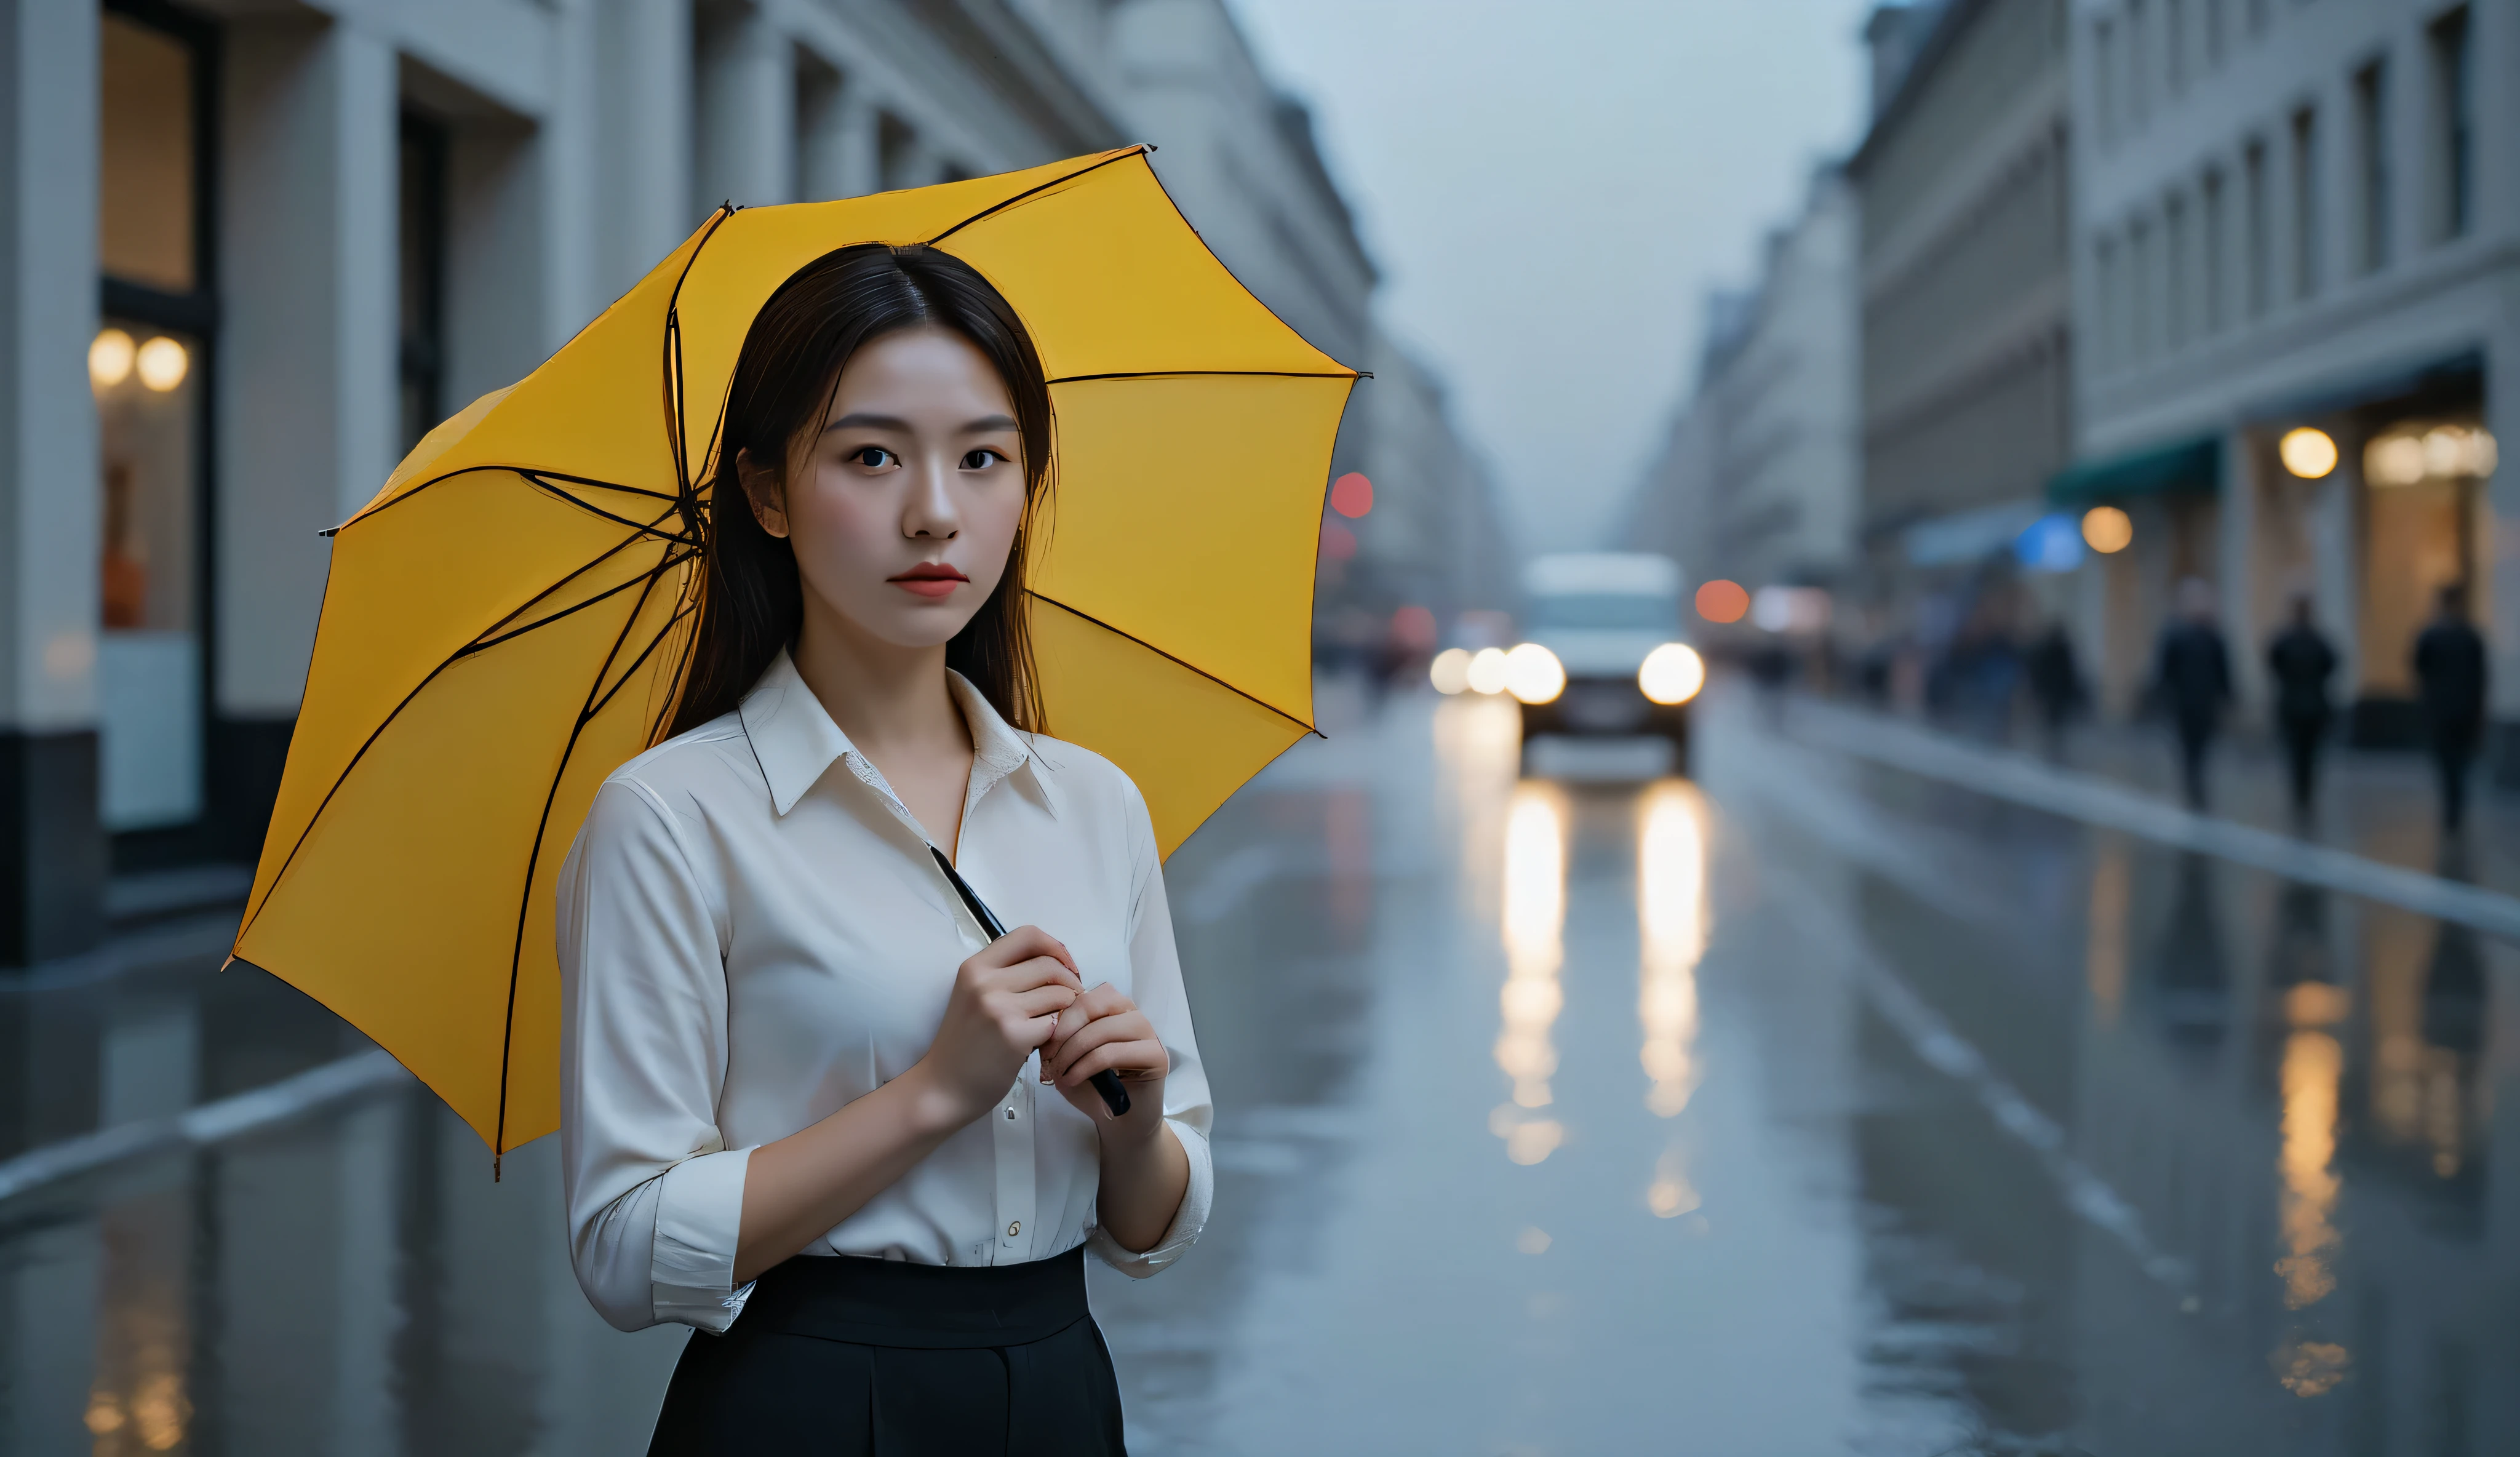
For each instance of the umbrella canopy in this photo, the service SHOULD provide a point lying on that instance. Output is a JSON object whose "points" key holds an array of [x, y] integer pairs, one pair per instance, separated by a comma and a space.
{"points": [[504, 622]]}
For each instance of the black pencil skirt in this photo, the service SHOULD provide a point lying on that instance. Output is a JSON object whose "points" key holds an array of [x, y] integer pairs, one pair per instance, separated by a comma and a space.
{"points": [[859, 1357]]}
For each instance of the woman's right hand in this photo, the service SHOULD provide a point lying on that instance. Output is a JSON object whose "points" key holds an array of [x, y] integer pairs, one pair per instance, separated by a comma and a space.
{"points": [[1006, 1004]]}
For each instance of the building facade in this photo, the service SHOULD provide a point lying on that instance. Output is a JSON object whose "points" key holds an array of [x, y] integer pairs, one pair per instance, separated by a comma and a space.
{"points": [[2300, 217], [1763, 480], [255, 249], [1965, 376]]}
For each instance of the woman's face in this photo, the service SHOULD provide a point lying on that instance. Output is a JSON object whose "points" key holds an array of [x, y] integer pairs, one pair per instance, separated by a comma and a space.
{"points": [[903, 506]]}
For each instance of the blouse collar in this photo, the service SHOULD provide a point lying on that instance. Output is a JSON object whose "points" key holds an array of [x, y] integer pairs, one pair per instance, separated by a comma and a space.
{"points": [[795, 741]]}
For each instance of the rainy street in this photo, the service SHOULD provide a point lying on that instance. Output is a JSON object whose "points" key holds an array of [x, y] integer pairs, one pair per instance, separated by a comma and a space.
{"points": [[1799, 1107]]}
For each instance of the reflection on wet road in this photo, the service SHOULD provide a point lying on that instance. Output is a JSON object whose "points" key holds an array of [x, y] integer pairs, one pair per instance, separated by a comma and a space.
{"points": [[1806, 1106]]}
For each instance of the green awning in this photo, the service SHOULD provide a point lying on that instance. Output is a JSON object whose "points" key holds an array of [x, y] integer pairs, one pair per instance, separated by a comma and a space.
{"points": [[2191, 467]]}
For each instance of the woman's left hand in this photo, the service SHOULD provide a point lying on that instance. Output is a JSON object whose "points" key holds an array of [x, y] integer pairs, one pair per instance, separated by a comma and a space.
{"points": [[1101, 1030]]}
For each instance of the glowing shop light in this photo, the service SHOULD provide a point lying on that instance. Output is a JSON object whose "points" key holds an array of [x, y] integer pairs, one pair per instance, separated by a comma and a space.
{"points": [[1487, 670], [1450, 672], [164, 364], [2307, 452], [2106, 529], [108, 358]]}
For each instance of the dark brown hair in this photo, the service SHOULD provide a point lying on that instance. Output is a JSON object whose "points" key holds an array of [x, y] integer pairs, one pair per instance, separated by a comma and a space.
{"points": [[751, 602]]}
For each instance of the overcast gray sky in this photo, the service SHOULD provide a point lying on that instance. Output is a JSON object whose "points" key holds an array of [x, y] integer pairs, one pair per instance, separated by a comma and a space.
{"points": [[1551, 189]]}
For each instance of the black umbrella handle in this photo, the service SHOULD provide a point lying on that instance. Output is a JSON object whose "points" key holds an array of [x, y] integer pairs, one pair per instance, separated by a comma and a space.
{"points": [[1106, 1083]]}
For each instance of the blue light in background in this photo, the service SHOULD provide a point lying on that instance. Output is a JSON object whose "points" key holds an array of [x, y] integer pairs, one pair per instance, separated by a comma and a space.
{"points": [[2052, 543]]}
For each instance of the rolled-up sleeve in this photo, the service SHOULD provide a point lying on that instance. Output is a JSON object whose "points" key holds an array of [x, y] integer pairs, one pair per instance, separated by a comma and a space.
{"points": [[1154, 966], [654, 1196]]}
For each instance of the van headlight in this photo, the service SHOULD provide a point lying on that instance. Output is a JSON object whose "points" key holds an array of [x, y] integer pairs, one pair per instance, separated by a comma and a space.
{"points": [[1533, 675], [1673, 673]]}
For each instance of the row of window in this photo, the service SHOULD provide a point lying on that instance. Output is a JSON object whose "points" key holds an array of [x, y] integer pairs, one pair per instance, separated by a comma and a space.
{"points": [[2240, 237], [2153, 50]]}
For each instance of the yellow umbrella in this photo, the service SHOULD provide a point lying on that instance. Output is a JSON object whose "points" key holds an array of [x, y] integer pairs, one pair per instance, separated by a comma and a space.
{"points": [[502, 622]]}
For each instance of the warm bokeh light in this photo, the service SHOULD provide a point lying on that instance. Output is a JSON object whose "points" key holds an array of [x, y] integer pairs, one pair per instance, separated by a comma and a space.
{"points": [[2394, 459], [1721, 601], [108, 358], [1534, 926], [1671, 922], [1673, 673], [2313, 1066], [1487, 670], [1533, 675], [1338, 543], [1352, 495], [1450, 672], [2307, 452], [2106, 529], [164, 363]]}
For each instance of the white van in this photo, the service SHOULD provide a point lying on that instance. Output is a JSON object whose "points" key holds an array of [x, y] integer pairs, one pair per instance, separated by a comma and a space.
{"points": [[1602, 651]]}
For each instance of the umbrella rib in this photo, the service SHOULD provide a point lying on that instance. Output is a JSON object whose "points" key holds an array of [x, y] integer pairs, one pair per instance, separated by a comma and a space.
{"points": [[647, 529], [586, 712], [527, 472], [1139, 149], [459, 655], [647, 578], [1239, 373], [1181, 662], [638, 533]]}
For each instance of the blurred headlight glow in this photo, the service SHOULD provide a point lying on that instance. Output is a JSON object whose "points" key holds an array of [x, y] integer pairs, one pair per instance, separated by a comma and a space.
{"points": [[1533, 675], [1487, 670], [1673, 673], [1450, 670]]}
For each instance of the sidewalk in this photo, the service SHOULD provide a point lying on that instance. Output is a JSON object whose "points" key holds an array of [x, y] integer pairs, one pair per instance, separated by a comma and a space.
{"points": [[2375, 831]]}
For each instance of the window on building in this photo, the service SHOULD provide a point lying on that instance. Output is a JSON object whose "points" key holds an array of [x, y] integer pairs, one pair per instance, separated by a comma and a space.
{"points": [[2105, 76], [420, 287], [816, 154], [2139, 71], [2214, 303], [2306, 198], [2110, 291], [897, 151], [2139, 290], [147, 367], [2179, 300], [2174, 45], [2454, 125], [2372, 166], [2258, 255]]}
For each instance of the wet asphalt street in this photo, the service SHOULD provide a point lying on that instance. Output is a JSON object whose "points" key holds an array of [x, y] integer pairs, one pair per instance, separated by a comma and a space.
{"points": [[1802, 1107]]}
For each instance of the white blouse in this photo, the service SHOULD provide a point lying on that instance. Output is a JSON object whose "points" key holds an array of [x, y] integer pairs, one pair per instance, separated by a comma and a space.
{"points": [[749, 941]]}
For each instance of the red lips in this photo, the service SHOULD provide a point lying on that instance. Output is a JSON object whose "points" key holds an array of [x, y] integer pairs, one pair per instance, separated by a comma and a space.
{"points": [[930, 579]]}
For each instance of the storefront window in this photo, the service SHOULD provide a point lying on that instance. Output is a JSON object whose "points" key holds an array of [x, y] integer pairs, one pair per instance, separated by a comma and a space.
{"points": [[145, 366]]}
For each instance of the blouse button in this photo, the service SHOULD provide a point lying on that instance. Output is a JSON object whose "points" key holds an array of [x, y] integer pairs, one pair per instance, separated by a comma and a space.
{"points": [[1013, 1229], [1011, 1114]]}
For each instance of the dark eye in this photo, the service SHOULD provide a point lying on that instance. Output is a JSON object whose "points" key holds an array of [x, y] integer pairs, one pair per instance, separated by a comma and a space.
{"points": [[980, 459], [872, 457]]}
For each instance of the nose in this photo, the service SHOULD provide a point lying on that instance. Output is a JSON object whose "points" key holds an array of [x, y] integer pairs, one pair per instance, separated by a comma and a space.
{"points": [[930, 512]]}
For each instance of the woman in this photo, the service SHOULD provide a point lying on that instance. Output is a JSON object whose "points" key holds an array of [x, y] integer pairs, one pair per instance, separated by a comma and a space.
{"points": [[806, 1104]]}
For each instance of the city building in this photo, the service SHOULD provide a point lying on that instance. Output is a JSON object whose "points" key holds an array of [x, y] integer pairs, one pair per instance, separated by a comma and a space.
{"points": [[255, 249], [1761, 484], [2299, 218], [1966, 372]]}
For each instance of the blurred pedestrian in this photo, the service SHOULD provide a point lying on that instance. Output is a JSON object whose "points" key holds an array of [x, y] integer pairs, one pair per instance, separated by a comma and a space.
{"points": [[2056, 682], [2302, 661], [2192, 674], [2449, 679]]}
